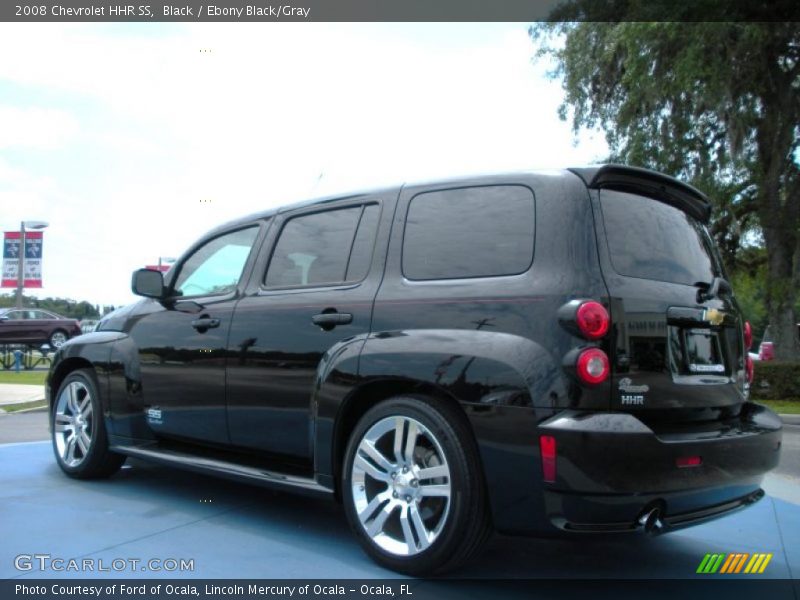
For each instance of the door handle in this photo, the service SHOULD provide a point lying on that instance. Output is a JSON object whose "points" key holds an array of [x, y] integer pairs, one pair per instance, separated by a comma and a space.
{"points": [[205, 323], [329, 320]]}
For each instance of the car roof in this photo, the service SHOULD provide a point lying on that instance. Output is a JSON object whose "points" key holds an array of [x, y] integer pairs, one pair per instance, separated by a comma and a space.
{"points": [[44, 310], [265, 214], [612, 176], [355, 194]]}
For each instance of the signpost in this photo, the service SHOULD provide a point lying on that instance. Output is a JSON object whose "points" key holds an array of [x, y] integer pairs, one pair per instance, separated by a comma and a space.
{"points": [[22, 258]]}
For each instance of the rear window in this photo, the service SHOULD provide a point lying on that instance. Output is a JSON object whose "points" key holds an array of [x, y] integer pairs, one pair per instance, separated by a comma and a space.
{"points": [[469, 232], [652, 240]]}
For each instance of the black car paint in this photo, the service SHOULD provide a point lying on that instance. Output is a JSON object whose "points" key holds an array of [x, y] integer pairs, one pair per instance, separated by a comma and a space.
{"points": [[492, 346]]}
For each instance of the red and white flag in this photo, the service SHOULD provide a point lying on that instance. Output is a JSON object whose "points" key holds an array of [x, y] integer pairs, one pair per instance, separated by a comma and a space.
{"points": [[32, 261]]}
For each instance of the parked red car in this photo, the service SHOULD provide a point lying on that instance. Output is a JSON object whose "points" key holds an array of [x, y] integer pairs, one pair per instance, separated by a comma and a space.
{"points": [[35, 326], [766, 349]]}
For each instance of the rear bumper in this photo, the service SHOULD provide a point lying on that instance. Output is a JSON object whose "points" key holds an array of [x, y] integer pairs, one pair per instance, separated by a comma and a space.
{"points": [[651, 513], [613, 470]]}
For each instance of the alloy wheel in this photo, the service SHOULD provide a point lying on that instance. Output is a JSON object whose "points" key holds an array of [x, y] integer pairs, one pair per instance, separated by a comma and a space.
{"points": [[401, 485], [73, 425]]}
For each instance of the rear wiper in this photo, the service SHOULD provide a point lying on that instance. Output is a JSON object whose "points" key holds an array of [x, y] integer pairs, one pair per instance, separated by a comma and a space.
{"points": [[711, 290]]}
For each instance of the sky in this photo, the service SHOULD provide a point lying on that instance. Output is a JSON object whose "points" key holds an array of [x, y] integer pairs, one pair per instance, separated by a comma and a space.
{"points": [[132, 140]]}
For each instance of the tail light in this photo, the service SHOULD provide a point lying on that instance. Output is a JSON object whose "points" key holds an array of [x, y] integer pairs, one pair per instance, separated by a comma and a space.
{"points": [[592, 320], [748, 336], [547, 448], [586, 318], [593, 366], [688, 461]]}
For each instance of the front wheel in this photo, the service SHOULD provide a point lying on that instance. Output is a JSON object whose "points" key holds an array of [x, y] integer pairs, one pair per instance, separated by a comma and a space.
{"points": [[80, 441], [412, 486]]}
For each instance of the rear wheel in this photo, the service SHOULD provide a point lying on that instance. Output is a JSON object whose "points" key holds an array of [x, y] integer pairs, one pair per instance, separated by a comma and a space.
{"points": [[412, 487], [80, 441]]}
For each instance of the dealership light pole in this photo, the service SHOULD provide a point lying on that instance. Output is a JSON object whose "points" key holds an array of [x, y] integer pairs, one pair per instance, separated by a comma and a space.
{"points": [[21, 257]]}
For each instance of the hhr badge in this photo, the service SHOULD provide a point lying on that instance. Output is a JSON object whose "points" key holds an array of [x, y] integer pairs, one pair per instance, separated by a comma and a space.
{"points": [[634, 394]]}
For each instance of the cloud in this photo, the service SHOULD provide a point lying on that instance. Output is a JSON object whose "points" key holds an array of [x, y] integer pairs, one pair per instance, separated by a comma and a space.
{"points": [[42, 128], [129, 129]]}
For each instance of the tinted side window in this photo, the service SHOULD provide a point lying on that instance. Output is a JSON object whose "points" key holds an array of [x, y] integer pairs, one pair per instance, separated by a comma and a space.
{"points": [[469, 232], [314, 249], [215, 267], [652, 240]]}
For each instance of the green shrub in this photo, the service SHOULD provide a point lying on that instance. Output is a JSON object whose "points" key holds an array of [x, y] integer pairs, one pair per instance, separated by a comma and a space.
{"points": [[776, 380]]}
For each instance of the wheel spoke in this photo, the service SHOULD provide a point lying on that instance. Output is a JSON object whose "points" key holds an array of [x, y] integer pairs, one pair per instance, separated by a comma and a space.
{"points": [[376, 526], [433, 472], [63, 427], [408, 535], [85, 407], [398, 439], [69, 451], [62, 421], [370, 469], [83, 443], [419, 526], [442, 491], [411, 442], [73, 401], [370, 509], [368, 448]]}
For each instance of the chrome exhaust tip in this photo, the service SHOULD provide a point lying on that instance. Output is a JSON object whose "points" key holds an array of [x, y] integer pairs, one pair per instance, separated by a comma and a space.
{"points": [[651, 521]]}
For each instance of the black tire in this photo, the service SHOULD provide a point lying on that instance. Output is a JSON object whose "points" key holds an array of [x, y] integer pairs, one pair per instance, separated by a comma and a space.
{"points": [[457, 530], [57, 339], [74, 421]]}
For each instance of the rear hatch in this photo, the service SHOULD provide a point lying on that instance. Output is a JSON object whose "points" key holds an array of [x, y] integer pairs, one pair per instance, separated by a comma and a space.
{"points": [[676, 350]]}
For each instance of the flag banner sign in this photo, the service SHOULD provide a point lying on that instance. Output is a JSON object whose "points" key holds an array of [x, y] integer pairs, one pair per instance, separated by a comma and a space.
{"points": [[32, 263]]}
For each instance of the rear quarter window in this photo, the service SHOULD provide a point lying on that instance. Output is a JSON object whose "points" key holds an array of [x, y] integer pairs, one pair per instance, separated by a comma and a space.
{"points": [[469, 232], [652, 240]]}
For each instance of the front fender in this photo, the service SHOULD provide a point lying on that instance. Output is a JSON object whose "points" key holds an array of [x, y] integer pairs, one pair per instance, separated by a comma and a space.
{"points": [[91, 350]]}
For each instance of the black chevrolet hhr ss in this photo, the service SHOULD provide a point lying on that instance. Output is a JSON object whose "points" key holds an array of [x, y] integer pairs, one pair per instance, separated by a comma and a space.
{"points": [[527, 353]]}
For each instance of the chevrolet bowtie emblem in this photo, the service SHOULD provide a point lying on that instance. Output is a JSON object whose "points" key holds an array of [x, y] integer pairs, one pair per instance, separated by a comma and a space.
{"points": [[713, 316]]}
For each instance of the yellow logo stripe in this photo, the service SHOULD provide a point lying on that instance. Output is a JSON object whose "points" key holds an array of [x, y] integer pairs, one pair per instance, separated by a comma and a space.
{"points": [[757, 566], [765, 563], [752, 563]]}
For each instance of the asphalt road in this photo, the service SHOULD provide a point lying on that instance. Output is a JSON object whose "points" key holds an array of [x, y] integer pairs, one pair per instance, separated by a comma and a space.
{"points": [[790, 453], [23, 427]]}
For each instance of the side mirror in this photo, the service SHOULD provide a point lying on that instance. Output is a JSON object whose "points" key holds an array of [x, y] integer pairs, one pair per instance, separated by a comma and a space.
{"points": [[148, 283], [3, 318]]}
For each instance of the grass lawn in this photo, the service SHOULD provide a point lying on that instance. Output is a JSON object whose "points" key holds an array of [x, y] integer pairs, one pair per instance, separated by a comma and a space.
{"points": [[786, 407], [29, 377]]}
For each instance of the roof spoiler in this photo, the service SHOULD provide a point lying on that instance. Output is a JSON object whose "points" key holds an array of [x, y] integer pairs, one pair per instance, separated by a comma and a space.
{"points": [[648, 183]]}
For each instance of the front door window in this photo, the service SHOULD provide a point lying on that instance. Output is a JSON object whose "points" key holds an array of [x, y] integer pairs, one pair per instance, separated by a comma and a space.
{"points": [[215, 268]]}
